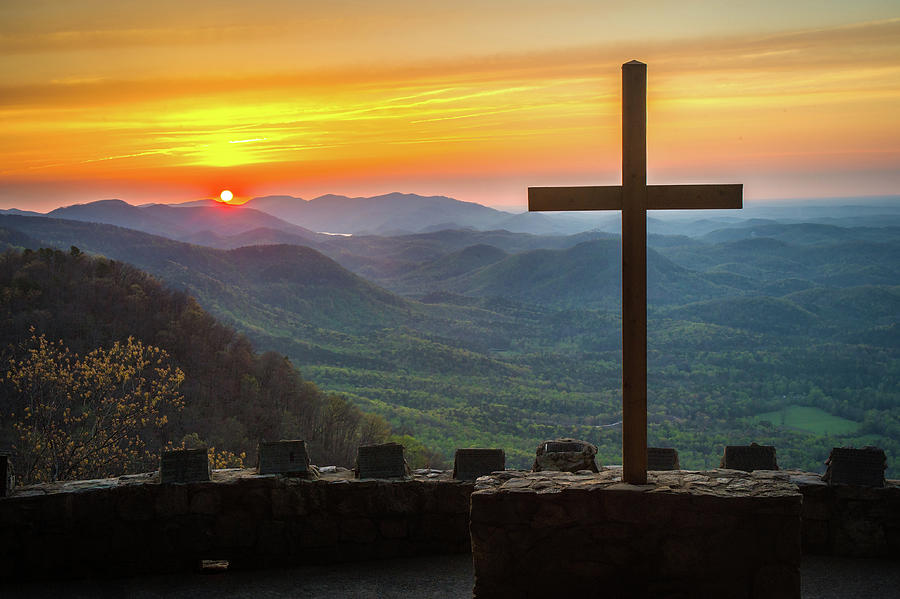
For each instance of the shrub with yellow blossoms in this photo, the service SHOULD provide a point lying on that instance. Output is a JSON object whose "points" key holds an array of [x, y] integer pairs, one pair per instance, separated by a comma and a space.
{"points": [[90, 416], [218, 458]]}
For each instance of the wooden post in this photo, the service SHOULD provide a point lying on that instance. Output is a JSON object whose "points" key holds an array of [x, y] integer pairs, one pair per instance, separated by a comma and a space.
{"points": [[634, 272]]}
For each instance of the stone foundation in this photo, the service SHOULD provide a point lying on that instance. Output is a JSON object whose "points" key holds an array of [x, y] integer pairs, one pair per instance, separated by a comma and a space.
{"points": [[717, 534], [132, 525]]}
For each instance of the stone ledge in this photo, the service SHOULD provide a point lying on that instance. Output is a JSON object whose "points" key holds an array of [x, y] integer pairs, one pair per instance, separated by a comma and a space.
{"points": [[224, 476], [132, 525], [720, 482]]}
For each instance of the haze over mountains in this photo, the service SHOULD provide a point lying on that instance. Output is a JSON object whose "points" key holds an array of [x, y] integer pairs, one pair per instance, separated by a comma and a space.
{"points": [[390, 214], [493, 337], [396, 213], [401, 213], [174, 221]]}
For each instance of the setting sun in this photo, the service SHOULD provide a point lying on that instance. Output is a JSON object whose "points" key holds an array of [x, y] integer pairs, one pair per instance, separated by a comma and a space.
{"points": [[98, 103], [226, 196]]}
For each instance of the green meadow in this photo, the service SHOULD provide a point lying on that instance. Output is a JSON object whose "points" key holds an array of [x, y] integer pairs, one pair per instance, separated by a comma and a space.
{"points": [[812, 420]]}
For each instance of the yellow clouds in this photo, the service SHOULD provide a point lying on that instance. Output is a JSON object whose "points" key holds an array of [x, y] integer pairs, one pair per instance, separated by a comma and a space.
{"points": [[184, 104], [285, 119], [803, 100]]}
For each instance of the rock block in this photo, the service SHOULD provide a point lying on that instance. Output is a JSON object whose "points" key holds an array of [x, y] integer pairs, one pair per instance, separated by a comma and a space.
{"points": [[283, 457], [749, 457], [565, 455], [662, 458], [184, 466], [6, 474], [381, 461], [858, 467], [469, 464]]}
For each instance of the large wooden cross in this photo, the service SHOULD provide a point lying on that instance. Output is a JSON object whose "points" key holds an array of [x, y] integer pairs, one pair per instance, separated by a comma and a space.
{"points": [[634, 197]]}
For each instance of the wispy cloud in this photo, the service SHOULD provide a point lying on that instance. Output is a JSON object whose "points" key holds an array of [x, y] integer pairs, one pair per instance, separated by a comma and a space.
{"points": [[757, 93]]}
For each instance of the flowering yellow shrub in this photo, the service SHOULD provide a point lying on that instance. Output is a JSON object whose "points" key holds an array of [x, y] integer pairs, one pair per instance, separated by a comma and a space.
{"points": [[90, 416], [218, 458]]}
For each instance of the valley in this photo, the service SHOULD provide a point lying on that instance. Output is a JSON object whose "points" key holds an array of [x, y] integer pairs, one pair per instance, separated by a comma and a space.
{"points": [[468, 337]]}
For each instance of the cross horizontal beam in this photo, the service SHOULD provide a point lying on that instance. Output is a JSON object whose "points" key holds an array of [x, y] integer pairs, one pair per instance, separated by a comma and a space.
{"points": [[659, 197]]}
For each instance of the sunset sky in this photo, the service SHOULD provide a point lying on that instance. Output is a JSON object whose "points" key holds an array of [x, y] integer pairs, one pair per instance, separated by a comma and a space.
{"points": [[171, 101]]}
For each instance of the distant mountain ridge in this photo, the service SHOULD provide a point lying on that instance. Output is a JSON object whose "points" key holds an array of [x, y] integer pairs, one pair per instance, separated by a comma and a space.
{"points": [[264, 281], [398, 213], [389, 214], [393, 214], [177, 222]]}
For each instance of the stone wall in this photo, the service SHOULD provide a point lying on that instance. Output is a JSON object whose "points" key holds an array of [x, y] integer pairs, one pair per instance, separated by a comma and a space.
{"points": [[132, 525], [849, 521], [718, 534]]}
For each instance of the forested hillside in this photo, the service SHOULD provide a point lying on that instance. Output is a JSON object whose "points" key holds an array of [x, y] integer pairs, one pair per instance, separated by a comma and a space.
{"points": [[233, 396], [502, 339]]}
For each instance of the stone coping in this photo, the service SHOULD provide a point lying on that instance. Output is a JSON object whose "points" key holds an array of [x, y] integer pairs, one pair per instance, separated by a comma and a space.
{"points": [[712, 482], [224, 476], [719, 482]]}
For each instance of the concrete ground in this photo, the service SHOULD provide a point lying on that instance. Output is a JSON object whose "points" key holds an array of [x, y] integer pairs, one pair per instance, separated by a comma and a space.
{"points": [[431, 577]]}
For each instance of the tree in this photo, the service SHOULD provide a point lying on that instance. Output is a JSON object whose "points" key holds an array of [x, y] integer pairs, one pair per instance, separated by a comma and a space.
{"points": [[418, 455], [92, 416]]}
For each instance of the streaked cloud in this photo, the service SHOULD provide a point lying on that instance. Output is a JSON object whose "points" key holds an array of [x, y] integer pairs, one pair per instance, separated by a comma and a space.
{"points": [[774, 99]]}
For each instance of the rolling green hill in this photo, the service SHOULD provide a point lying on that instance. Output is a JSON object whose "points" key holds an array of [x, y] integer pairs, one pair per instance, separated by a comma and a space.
{"points": [[257, 283], [838, 264], [755, 314], [521, 347], [802, 233], [586, 275], [439, 273], [234, 397], [864, 306]]}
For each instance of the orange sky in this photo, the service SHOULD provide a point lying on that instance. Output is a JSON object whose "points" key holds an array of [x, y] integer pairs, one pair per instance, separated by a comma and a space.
{"points": [[174, 101]]}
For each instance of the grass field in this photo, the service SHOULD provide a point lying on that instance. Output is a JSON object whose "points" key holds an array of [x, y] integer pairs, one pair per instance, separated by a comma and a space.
{"points": [[812, 420]]}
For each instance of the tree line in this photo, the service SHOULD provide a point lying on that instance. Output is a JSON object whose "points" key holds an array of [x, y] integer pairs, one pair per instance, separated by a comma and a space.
{"points": [[103, 367]]}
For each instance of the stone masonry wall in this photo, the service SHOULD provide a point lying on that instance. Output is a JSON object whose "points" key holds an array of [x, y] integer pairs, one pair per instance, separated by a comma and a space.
{"points": [[132, 525], [719, 534], [849, 521]]}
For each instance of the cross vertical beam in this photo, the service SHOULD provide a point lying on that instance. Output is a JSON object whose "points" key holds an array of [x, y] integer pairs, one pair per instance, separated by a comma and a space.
{"points": [[634, 197], [634, 272]]}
